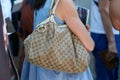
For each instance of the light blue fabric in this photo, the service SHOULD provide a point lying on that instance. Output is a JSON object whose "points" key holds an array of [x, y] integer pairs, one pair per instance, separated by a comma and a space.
{"points": [[32, 72]]}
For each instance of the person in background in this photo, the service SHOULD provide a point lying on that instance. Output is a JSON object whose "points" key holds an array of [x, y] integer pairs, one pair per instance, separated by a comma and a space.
{"points": [[115, 18], [6, 10], [106, 38], [26, 21], [41, 11], [26, 26], [4, 60], [115, 13], [7, 16]]}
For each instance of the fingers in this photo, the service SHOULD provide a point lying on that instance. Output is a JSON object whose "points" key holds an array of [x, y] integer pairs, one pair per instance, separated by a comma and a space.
{"points": [[110, 56]]}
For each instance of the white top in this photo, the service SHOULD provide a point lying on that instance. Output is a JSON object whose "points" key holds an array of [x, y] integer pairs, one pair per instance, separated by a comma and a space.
{"points": [[6, 8], [96, 24]]}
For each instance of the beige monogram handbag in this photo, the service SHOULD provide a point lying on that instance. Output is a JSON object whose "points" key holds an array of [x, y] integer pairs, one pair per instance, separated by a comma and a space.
{"points": [[55, 47]]}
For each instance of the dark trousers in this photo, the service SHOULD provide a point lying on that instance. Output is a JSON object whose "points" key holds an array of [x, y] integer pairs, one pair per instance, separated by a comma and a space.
{"points": [[103, 73]]}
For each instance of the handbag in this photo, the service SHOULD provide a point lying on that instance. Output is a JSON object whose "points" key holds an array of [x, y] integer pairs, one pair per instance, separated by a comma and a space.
{"points": [[55, 47]]}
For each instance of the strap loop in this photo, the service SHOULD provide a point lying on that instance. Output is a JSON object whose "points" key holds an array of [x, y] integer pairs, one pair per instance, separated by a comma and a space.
{"points": [[54, 5]]}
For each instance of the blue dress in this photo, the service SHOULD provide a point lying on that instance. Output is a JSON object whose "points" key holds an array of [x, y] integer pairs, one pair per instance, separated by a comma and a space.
{"points": [[32, 72]]}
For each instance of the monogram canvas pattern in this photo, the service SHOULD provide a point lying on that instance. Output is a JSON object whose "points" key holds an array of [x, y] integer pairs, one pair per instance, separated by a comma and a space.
{"points": [[54, 47]]}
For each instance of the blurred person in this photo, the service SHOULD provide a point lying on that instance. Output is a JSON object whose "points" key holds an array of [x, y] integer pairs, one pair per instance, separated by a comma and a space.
{"points": [[6, 10], [115, 18], [26, 26], [13, 38], [7, 17], [106, 38], [26, 21], [41, 11], [115, 13], [4, 64]]}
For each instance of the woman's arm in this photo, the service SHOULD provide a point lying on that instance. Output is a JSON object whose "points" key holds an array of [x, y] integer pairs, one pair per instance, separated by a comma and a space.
{"points": [[66, 11]]}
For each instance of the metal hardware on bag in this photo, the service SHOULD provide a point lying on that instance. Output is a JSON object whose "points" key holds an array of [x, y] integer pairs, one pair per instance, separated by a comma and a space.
{"points": [[50, 19], [51, 12], [41, 28]]}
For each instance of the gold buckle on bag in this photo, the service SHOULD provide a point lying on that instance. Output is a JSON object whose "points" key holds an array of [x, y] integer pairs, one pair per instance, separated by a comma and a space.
{"points": [[41, 28]]}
